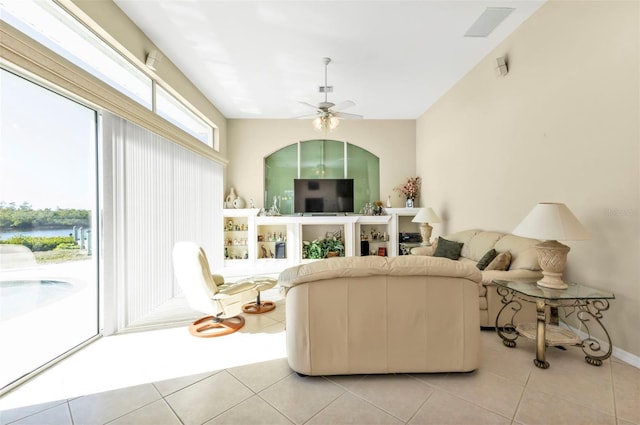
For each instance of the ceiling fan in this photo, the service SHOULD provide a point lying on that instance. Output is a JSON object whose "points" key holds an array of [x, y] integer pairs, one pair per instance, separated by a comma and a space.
{"points": [[328, 114]]}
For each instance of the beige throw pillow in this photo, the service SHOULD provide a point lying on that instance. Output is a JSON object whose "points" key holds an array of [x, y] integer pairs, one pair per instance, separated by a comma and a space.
{"points": [[501, 262]]}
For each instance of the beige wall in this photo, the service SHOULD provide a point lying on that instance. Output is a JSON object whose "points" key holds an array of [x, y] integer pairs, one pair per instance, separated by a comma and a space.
{"points": [[562, 126], [249, 141]]}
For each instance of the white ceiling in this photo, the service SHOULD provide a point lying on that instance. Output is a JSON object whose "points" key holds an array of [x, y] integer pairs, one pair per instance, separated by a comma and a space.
{"points": [[258, 59]]}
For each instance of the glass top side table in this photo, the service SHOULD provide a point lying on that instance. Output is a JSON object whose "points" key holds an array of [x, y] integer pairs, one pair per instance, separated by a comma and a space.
{"points": [[586, 302]]}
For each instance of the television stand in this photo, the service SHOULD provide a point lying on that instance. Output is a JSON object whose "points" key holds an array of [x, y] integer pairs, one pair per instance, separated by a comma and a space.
{"points": [[323, 214]]}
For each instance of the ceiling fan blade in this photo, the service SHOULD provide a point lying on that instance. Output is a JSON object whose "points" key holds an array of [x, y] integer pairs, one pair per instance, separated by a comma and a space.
{"points": [[343, 105], [348, 116], [305, 116], [308, 104]]}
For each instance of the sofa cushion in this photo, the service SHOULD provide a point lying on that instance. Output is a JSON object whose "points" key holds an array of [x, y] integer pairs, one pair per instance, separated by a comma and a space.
{"points": [[463, 236], [501, 262], [523, 251], [373, 265], [486, 259], [448, 249], [479, 244]]}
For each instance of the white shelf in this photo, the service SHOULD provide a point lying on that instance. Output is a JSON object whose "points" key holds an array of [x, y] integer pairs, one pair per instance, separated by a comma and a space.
{"points": [[296, 226]]}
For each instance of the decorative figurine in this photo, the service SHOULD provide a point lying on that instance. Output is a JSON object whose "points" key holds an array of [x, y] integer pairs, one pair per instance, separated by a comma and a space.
{"points": [[274, 207]]}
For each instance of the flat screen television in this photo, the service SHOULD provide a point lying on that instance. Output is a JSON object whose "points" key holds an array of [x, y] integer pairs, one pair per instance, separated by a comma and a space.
{"points": [[323, 196]]}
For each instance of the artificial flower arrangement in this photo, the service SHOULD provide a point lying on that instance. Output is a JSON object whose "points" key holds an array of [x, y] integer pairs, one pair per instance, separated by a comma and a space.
{"points": [[410, 189]]}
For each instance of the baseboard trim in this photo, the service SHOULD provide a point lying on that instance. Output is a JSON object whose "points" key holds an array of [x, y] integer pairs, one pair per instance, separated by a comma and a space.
{"points": [[616, 352]]}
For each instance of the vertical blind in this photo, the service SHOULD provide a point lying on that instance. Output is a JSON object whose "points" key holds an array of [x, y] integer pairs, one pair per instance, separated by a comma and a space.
{"points": [[156, 193]]}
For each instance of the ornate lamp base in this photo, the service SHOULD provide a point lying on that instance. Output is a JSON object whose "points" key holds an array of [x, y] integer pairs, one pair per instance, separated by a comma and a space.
{"points": [[425, 233], [552, 256]]}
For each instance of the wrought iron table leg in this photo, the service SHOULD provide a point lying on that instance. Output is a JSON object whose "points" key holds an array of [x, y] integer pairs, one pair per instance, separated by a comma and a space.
{"points": [[541, 346], [508, 332], [590, 346]]}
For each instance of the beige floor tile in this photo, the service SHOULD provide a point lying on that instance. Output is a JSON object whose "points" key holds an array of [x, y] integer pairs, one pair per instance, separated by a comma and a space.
{"points": [[170, 386], [539, 408], [349, 409], [570, 377], [208, 398], [155, 413], [253, 411], [483, 388], [279, 312], [277, 327], [255, 322], [11, 415], [626, 385], [489, 339], [509, 363], [300, 398], [623, 422], [345, 380], [57, 415], [399, 395], [103, 407], [259, 376], [522, 354], [432, 379], [445, 409]]}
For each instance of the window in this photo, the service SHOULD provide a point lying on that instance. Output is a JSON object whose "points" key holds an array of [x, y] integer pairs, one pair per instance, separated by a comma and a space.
{"points": [[171, 109], [321, 159], [48, 231], [54, 28]]}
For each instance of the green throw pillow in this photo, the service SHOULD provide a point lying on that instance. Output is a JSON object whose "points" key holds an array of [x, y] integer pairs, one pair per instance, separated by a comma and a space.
{"points": [[448, 249], [486, 259]]}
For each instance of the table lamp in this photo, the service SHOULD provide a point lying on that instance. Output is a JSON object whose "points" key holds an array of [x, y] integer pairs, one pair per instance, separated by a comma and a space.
{"points": [[552, 222], [426, 216]]}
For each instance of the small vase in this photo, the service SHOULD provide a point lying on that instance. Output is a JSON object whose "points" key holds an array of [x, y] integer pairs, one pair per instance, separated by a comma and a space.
{"points": [[409, 203], [238, 203]]}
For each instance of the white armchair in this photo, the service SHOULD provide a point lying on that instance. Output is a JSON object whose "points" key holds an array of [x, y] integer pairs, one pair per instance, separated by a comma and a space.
{"points": [[222, 304]]}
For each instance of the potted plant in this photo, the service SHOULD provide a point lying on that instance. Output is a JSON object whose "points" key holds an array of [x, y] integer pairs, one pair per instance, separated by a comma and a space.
{"points": [[312, 250], [322, 248], [333, 247]]}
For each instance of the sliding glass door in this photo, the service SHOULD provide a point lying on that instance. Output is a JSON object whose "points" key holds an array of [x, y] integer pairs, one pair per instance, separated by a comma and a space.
{"points": [[48, 231]]}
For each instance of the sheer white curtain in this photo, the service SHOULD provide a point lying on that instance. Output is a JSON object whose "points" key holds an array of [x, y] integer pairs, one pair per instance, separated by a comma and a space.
{"points": [[156, 193]]}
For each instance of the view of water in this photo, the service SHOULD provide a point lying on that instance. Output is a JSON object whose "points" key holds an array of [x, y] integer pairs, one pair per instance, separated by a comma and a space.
{"points": [[37, 232]]}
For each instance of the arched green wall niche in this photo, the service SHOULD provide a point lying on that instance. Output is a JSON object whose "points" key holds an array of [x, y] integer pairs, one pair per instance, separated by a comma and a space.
{"points": [[331, 159]]}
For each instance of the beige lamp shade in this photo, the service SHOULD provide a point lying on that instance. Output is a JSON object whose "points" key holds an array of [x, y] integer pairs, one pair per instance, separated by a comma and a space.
{"points": [[424, 217], [552, 222]]}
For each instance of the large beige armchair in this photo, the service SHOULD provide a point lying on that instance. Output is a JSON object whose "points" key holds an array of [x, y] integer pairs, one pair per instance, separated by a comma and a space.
{"points": [[365, 315]]}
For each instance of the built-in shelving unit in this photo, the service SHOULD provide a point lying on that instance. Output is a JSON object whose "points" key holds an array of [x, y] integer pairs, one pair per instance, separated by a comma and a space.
{"points": [[269, 244]]}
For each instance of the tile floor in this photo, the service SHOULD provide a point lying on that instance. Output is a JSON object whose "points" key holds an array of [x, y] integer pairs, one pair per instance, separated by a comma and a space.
{"points": [[170, 377]]}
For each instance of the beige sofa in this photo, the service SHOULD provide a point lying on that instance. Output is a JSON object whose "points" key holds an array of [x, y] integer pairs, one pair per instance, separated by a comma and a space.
{"points": [[524, 265], [368, 315]]}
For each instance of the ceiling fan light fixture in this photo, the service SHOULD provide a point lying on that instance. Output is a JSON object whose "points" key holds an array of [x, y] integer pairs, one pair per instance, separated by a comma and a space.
{"points": [[325, 122]]}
